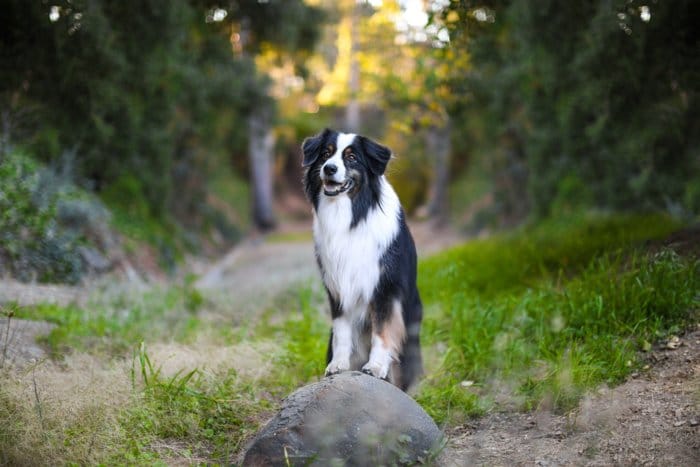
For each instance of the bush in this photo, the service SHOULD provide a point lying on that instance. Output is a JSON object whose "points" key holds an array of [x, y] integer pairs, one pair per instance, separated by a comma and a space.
{"points": [[43, 222]]}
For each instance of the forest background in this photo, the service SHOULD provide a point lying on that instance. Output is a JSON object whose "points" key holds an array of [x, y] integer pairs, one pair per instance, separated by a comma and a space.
{"points": [[179, 126]]}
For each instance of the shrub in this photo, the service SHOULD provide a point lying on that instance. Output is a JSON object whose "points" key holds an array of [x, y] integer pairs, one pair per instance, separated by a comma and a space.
{"points": [[44, 219]]}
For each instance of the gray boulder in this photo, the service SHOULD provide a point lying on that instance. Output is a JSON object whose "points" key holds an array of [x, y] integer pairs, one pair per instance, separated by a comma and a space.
{"points": [[346, 419]]}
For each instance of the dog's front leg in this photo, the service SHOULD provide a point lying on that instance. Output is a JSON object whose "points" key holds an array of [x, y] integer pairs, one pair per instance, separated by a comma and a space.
{"points": [[341, 344], [388, 335]]}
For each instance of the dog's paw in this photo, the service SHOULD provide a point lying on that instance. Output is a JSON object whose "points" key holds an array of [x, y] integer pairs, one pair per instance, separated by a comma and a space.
{"points": [[376, 370], [335, 367]]}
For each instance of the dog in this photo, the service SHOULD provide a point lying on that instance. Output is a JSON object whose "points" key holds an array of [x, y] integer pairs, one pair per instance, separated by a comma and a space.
{"points": [[366, 256]]}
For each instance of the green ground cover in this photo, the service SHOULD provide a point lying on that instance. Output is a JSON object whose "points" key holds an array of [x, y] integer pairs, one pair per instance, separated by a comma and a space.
{"points": [[535, 317], [544, 314]]}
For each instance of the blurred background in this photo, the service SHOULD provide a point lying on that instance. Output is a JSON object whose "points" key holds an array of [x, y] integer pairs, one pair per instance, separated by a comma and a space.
{"points": [[159, 296], [149, 131]]}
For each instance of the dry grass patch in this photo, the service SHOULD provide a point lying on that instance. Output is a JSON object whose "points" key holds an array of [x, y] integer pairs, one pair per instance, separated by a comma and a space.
{"points": [[64, 413], [250, 360]]}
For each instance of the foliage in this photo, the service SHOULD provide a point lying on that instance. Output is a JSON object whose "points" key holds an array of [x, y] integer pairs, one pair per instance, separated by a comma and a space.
{"points": [[44, 220], [544, 316], [593, 103], [151, 99]]}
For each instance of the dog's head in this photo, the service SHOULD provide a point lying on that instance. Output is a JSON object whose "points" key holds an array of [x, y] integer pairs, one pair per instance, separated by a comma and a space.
{"points": [[341, 163]]}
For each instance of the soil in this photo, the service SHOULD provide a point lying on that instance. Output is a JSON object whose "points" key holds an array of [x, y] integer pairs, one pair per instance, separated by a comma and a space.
{"points": [[652, 419]]}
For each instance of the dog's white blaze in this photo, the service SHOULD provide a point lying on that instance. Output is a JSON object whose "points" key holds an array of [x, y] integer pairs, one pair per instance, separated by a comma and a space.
{"points": [[344, 140], [350, 257]]}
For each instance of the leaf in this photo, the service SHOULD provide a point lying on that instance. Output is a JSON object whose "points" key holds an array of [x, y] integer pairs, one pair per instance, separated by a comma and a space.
{"points": [[673, 343]]}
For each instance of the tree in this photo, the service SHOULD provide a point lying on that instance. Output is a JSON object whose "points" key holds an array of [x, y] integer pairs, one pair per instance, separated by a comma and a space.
{"points": [[145, 93], [390, 70], [599, 100]]}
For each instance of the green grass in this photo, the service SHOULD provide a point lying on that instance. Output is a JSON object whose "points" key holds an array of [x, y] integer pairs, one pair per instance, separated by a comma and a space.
{"points": [[305, 338], [211, 416], [192, 415], [214, 415], [536, 317], [543, 315], [123, 321]]}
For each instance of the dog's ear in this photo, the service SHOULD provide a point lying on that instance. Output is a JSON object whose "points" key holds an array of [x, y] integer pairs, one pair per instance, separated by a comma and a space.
{"points": [[311, 147], [377, 155]]}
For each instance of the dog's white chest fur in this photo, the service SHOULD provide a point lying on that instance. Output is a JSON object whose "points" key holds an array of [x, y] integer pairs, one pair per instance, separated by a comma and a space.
{"points": [[350, 256]]}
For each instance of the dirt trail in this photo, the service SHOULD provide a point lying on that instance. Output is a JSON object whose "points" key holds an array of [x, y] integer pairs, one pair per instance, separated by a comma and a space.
{"points": [[258, 267], [246, 281], [23, 294], [279, 264], [652, 419]]}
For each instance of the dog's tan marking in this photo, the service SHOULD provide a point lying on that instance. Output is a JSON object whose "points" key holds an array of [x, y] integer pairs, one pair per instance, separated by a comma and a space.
{"points": [[387, 341], [393, 333]]}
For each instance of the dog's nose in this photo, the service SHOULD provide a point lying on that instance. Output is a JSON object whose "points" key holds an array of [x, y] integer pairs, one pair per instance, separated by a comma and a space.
{"points": [[329, 169]]}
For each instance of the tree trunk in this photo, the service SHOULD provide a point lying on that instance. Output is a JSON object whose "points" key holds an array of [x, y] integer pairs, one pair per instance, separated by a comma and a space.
{"points": [[352, 111], [260, 151], [439, 147]]}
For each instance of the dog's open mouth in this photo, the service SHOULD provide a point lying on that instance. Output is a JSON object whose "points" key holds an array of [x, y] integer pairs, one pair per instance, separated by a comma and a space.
{"points": [[331, 188]]}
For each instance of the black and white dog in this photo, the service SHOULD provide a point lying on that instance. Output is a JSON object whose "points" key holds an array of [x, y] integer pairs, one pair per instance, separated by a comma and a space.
{"points": [[367, 258]]}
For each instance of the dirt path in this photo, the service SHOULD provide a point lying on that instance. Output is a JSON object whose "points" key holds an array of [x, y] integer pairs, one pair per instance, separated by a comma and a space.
{"points": [[652, 419], [280, 264], [248, 279], [12, 291], [258, 267]]}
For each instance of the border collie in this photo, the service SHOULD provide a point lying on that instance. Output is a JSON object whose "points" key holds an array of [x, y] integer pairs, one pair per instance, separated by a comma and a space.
{"points": [[366, 256]]}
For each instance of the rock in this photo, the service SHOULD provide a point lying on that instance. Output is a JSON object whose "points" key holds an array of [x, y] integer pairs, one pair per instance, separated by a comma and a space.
{"points": [[346, 419], [94, 260], [18, 341]]}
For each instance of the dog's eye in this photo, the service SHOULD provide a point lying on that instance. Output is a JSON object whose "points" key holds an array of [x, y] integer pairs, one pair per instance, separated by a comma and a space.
{"points": [[326, 154], [350, 157]]}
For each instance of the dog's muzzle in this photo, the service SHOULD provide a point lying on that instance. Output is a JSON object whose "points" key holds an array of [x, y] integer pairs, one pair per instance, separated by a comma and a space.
{"points": [[333, 188]]}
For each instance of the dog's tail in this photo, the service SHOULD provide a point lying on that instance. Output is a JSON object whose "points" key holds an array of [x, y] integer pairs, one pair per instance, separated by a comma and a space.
{"points": [[411, 365]]}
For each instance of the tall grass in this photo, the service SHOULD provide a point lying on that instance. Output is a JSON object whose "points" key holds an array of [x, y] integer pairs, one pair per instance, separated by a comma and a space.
{"points": [[544, 315]]}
